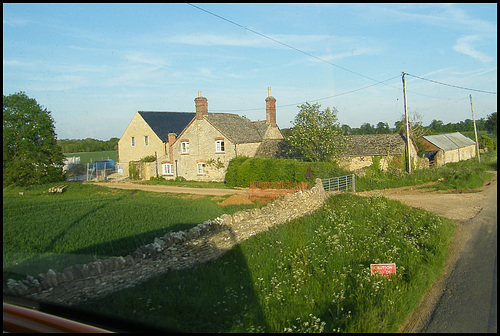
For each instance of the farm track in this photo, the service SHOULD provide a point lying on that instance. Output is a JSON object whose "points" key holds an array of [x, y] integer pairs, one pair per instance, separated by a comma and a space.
{"points": [[173, 189]]}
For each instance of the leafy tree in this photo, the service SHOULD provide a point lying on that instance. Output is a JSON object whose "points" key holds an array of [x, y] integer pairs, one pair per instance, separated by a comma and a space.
{"points": [[347, 129], [30, 151], [436, 126], [417, 130], [491, 123], [316, 135], [366, 128], [382, 128]]}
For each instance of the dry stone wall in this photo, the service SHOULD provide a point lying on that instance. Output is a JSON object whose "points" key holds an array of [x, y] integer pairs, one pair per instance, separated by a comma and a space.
{"points": [[173, 251]]}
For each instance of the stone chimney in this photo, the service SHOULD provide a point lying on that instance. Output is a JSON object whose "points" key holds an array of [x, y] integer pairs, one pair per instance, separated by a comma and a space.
{"points": [[270, 108], [201, 106]]}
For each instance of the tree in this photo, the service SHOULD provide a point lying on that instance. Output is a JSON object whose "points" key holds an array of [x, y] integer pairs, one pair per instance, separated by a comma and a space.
{"points": [[30, 151], [417, 130], [346, 129], [316, 135], [491, 123], [366, 128], [436, 126], [382, 128]]}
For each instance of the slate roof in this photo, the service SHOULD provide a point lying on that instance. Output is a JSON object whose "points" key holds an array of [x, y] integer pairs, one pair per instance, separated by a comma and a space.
{"points": [[375, 144], [449, 141], [163, 123], [237, 129]]}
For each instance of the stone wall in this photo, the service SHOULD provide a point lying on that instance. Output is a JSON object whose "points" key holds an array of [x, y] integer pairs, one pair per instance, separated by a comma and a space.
{"points": [[173, 251]]}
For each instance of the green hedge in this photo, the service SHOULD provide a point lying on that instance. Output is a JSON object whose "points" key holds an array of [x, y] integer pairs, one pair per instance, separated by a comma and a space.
{"points": [[487, 142], [242, 170]]}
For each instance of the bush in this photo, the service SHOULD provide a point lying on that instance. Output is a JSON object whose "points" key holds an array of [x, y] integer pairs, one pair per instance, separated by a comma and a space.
{"points": [[148, 158], [242, 171], [487, 142], [133, 171]]}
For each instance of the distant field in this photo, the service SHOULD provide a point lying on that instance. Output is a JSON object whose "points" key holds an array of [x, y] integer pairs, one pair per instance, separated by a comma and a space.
{"points": [[89, 157]]}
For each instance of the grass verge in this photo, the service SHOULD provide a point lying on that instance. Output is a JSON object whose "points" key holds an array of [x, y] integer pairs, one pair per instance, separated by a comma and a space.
{"points": [[468, 174], [312, 276]]}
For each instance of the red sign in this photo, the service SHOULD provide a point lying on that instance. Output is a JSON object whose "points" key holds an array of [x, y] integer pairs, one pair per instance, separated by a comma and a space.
{"points": [[383, 269]]}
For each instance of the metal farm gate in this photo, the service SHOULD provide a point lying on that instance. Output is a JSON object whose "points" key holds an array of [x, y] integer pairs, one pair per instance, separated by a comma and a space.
{"points": [[342, 183]]}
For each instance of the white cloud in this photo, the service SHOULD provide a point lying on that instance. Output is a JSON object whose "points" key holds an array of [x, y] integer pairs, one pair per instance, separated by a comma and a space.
{"points": [[248, 40], [464, 45], [355, 51], [139, 57], [15, 21]]}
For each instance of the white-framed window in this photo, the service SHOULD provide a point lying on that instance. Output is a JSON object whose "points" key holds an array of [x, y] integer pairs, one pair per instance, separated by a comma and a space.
{"points": [[201, 168], [184, 147], [168, 168], [132, 141], [219, 146], [146, 141]]}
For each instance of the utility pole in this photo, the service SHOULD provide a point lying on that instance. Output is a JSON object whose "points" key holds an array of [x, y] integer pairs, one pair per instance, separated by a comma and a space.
{"points": [[475, 130], [408, 153]]}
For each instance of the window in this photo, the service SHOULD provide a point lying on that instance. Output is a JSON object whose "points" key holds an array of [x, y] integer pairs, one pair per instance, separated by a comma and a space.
{"points": [[184, 147], [168, 169], [146, 141], [133, 141], [201, 168], [219, 146]]}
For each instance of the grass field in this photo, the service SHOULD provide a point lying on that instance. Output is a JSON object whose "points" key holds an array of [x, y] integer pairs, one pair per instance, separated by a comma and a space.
{"points": [[43, 230], [89, 157]]}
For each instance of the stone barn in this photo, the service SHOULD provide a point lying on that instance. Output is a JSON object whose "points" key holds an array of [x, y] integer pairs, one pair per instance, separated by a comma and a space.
{"points": [[445, 148], [361, 149]]}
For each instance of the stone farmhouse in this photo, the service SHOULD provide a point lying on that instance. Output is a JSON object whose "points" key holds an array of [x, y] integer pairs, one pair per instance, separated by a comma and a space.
{"points": [[361, 149], [196, 146], [445, 148]]}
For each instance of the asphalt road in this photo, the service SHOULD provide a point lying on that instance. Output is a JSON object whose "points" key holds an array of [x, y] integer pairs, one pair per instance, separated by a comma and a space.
{"points": [[468, 303]]}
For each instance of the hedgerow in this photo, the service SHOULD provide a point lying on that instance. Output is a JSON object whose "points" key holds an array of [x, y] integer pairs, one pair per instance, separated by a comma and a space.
{"points": [[243, 170]]}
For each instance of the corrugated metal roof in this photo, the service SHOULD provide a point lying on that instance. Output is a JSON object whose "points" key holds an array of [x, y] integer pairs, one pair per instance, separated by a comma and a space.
{"points": [[449, 141]]}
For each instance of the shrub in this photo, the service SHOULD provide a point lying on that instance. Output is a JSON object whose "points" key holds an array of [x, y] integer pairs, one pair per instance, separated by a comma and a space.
{"points": [[487, 142], [242, 171], [232, 170], [148, 158], [133, 171]]}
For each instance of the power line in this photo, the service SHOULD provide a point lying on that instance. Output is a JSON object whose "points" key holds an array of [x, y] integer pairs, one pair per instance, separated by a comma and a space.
{"points": [[284, 44], [313, 100], [455, 86]]}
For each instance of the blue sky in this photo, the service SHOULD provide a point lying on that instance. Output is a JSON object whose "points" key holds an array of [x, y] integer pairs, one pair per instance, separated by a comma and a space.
{"points": [[94, 65]]}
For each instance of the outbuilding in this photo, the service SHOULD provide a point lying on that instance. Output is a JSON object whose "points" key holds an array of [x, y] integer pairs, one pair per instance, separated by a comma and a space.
{"points": [[361, 149], [445, 148]]}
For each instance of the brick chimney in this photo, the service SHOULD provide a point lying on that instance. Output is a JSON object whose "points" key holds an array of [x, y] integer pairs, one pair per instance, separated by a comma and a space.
{"points": [[201, 106], [170, 149], [171, 138], [270, 108]]}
